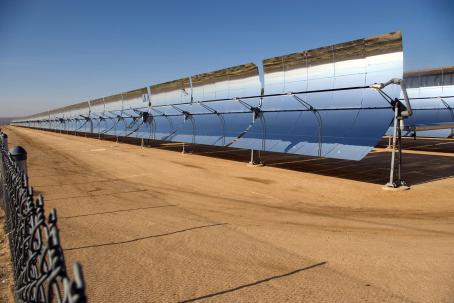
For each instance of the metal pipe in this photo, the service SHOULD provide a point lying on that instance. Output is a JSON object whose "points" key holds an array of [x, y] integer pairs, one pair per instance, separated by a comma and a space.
{"points": [[393, 152], [408, 112]]}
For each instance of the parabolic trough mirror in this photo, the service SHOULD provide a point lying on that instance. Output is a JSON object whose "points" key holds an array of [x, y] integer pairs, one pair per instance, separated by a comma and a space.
{"points": [[431, 92], [316, 102]]}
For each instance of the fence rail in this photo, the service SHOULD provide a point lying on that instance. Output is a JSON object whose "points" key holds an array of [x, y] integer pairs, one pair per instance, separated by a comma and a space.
{"points": [[39, 266]]}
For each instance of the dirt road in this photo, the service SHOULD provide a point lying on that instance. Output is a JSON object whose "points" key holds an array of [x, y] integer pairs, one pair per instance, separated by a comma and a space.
{"points": [[152, 225], [6, 275]]}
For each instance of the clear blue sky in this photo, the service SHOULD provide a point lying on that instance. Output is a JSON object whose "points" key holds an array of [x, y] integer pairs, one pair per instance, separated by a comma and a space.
{"points": [[54, 53]]}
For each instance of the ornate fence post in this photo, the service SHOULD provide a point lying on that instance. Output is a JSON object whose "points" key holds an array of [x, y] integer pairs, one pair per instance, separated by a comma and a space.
{"points": [[4, 139], [19, 155], [37, 257], [3, 144]]}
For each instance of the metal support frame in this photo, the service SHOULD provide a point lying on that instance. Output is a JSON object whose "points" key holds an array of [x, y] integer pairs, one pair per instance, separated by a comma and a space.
{"points": [[317, 116], [256, 114], [401, 112], [99, 119], [152, 126], [118, 119], [446, 104], [259, 161], [187, 116], [389, 142], [221, 120], [145, 118], [395, 178], [172, 129], [61, 121]]}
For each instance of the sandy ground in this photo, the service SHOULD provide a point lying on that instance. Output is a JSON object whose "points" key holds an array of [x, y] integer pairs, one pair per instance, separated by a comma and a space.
{"points": [[6, 276], [153, 225]]}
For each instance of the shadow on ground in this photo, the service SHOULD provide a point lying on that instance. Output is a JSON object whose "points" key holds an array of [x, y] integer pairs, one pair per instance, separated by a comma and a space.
{"points": [[146, 237], [253, 283], [374, 168]]}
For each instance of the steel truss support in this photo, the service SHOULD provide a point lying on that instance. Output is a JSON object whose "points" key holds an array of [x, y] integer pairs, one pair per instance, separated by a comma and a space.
{"points": [[318, 117], [152, 126], [395, 176], [401, 112], [90, 123], [221, 120], [188, 117], [256, 114], [255, 162], [452, 115], [172, 129]]}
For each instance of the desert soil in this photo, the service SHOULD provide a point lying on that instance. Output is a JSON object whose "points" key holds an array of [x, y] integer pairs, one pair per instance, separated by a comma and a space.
{"points": [[6, 276], [153, 225]]}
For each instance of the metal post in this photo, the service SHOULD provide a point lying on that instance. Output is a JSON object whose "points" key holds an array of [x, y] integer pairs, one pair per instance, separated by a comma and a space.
{"points": [[252, 161], [399, 137], [115, 130], [3, 144], [4, 138], [393, 152], [396, 183]]}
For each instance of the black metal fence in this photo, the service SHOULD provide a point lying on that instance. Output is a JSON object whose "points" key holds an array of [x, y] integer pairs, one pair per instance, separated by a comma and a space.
{"points": [[39, 268]]}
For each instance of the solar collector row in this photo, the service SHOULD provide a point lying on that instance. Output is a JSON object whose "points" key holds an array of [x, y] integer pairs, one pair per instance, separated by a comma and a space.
{"points": [[315, 102]]}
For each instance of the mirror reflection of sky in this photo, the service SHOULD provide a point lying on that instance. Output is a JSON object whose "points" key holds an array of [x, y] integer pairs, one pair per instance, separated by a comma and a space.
{"points": [[54, 53]]}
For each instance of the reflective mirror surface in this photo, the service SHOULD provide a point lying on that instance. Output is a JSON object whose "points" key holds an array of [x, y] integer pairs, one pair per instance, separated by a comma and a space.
{"points": [[432, 97], [316, 102]]}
